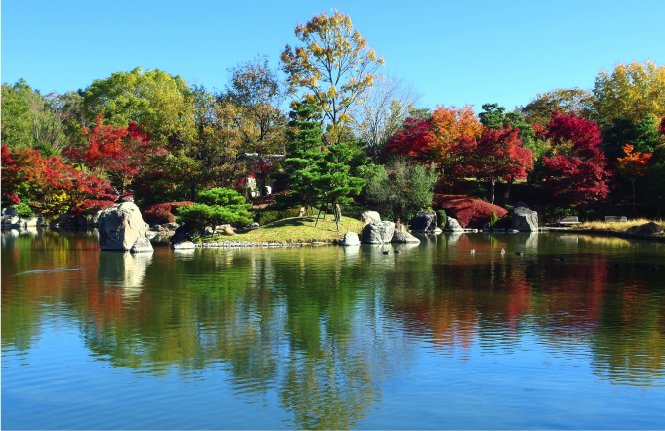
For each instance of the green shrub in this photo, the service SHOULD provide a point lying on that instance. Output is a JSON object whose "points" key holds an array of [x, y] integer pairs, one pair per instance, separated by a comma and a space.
{"points": [[442, 218], [219, 206], [24, 211]]}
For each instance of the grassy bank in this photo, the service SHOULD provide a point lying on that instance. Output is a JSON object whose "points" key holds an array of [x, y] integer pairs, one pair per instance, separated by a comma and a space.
{"points": [[294, 230], [617, 226]]}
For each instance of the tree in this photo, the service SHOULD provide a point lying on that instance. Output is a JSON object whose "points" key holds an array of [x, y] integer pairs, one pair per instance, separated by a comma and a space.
{"points": [[383, 111], [214, 207], [631, 91], [257, 93], [50, 186], [335, 67], [116, 151], [540, 109], [577, 169], [447, 127], [643, 135], [412, 140], [499, 154], [400, 189], [158, 101], [632, 166], [30, 120]]}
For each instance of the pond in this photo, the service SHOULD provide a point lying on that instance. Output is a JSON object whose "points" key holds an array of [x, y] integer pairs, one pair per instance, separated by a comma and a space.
{"points": [[432, 337]]}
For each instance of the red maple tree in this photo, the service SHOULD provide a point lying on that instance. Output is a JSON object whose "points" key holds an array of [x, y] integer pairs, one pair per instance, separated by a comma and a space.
{"points": [[577, 171]]}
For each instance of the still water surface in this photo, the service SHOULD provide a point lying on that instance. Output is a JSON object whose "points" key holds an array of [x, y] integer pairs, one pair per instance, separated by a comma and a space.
{"points": [[334, 338]]}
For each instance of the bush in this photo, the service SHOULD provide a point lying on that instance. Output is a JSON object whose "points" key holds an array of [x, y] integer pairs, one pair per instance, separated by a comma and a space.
{"points": [[442, 218], [162, 213], [468, 211], [23, 210], [401, 190], [220, 206]]}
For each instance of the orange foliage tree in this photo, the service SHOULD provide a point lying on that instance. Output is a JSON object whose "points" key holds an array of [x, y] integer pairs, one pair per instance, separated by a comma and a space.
{"points": [[632, 166]]}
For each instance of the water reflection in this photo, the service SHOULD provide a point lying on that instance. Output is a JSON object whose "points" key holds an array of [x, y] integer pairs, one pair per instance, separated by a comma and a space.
{"points": [[323, 328]]}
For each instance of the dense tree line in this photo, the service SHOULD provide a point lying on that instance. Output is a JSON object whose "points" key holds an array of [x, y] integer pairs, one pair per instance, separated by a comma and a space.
{"points": [[348, 133]]}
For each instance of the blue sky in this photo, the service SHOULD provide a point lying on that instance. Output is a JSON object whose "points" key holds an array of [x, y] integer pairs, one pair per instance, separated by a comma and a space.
{"points": [[454, 52]]}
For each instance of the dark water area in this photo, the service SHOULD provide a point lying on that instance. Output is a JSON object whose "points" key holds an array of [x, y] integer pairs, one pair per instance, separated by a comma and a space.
{"points": [[432, 337]]}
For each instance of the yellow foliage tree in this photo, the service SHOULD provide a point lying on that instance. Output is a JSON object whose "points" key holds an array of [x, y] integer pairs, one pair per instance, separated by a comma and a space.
{"points": [[630, 91], [335, 67]]}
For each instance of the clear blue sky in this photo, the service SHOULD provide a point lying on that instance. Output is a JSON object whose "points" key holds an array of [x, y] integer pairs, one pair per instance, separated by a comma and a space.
{"points": [[455, 52]]}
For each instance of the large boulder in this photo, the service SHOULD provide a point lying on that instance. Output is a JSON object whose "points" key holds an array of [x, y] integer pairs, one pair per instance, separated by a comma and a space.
{"points": [[524, 220], [402, 236], [184, 233], [370, 217], [424, 221], [10, 216], [453, 225], [350, 238], [378, 233], [645, 229], [121, 226]]}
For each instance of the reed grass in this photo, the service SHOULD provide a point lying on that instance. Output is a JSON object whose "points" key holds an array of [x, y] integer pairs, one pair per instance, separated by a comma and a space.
{"points": [[616, 226]]}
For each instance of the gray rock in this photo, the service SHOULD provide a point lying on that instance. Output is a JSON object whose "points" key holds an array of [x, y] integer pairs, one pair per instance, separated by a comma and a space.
{"points": [[185, 245], [350, 238], [378, 233], [404, 237], [120, 226], [182, 234], [141, 245], [208, 231], [524, 220], [370, 217], [453, 225], [254, 225], [424, 221], [73, 220], [10, 216]]}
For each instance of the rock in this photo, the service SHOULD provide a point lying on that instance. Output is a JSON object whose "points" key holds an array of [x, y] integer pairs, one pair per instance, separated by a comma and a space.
{"points": [[521, 205], [404, 237], [182, 234], [645, 229], [524, 220], [120, 226], [73, 220], [350, 238], [424, 221], [141, 245], [378, 233], [227, 230], [453, 225], [486, 226], [185, 245], [208, 231], [10, 216], [254, 225], [370, 217]]}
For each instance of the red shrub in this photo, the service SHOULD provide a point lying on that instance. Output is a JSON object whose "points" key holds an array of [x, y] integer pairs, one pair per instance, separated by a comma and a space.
{"points": [[467, 210], [162, 213]]}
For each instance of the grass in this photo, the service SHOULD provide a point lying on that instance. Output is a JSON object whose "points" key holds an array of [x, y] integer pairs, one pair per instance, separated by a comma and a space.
{"points": [[294, 230], [615, 227]]}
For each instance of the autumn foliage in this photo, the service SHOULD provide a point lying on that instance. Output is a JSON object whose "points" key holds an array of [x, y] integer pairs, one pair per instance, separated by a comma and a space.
{"points": [[51, 186], [577, 170], [466, 210], [163, 213]]}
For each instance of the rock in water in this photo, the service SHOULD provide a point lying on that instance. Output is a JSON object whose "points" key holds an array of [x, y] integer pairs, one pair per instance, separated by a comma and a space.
{"points": [[424, 221], [370, 217], [350, 238], [404, 237], [379, 233], [645, 229], [121, 226], [453, 225], [525, 220]]}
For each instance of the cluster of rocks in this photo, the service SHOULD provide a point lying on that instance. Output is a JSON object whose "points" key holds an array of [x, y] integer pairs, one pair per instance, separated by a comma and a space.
{"points": [[523, 220], [378, 232]]}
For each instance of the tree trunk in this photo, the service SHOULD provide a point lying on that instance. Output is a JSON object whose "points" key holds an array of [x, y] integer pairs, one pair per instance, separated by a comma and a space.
{"points": [[634, 207], [338, 215], [492, 181], [507, 193], [319, 215]]}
